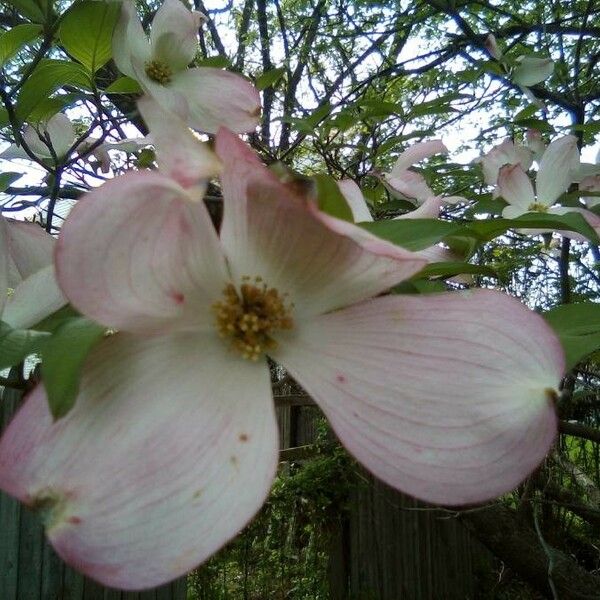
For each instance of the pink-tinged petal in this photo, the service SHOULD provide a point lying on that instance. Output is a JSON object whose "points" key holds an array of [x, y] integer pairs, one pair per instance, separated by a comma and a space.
{"points": [[535, 143], [174, 34], [179, 153], [216, 97], [61, 132], [34, 299], [151, 258], [532, 70], [448, 397], [31, 248], [323, 263], [430, 209], [35, 143], [240, 165], [355, 200], [558, 166], [129, 40], [415, 154], [4, 263], [515, 187], [513, 212], [409, 186], [506, 153], [591, 183], [169, 451], [437, 253]]}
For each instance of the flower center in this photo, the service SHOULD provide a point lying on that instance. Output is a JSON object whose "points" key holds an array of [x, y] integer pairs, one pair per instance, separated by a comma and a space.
{"points": [[537, 207], [158, 71], [250, 316]]}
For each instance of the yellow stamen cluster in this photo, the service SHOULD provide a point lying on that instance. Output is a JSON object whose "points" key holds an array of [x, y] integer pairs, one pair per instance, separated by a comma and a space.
{"points": [[250, 316], [537, 207], [158, 71]]}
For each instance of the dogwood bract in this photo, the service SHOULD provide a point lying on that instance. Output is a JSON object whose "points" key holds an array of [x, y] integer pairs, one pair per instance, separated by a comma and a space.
{"points": [[26, 268], [172, 445], [404, 183], [204, 97]]}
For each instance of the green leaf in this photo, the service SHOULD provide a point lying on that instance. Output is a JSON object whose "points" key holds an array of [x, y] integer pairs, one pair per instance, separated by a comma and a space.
{"points": [[420, 286], [269, 78], [36, 10], [14, 39], [318, 115], [526, 113], [49, 76], [489, 229], [62, 360], [450, 269], [7, 179], [578, 328], [124, 85], [86, 32], [412, 234], [218, 62], [48, 107], [538, 124], [18, 344], [329, 198]]}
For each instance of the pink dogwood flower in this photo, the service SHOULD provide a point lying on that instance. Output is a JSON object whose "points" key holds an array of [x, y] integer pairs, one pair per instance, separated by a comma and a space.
{"points": [[172, 445], [203, 97], [506, 153], [558, 166]]}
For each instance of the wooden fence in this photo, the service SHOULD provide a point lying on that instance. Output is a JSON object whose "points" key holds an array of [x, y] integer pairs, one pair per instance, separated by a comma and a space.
{"points": [[388, 547]]}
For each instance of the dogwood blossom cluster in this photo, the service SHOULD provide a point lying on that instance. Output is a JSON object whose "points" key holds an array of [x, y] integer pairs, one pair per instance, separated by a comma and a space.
{"points": [[506, 168], [172, 445]]}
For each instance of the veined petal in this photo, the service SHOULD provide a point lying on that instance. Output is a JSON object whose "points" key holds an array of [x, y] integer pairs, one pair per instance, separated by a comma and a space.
{"points": [[506, 153], [515, 187], [174, 34], [3, 263], [169, 451], [240, 165], [448, 398], [355, 200], [129, 40], [152, 258], [558, 166], [409, 186], [216, 97], [61, 132], [532, 70], [430, 209], [416, 153], [179, 153], [323, 263], [34, 299], [30, 247], [34, 143]]}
